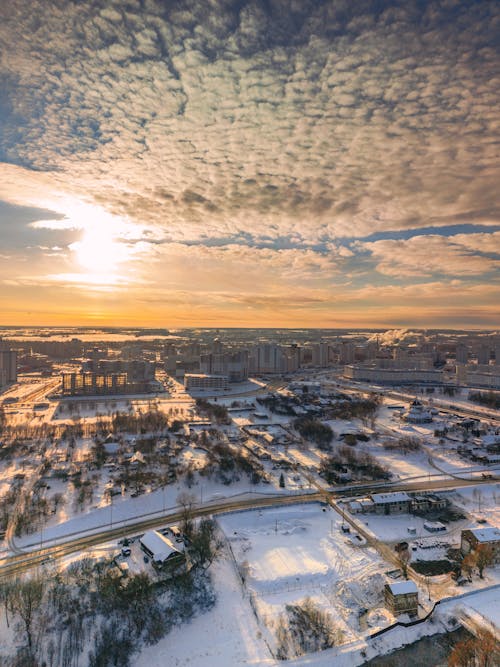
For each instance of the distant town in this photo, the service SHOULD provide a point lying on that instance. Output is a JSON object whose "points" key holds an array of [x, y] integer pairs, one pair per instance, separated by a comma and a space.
{"points": [[323, 493]]}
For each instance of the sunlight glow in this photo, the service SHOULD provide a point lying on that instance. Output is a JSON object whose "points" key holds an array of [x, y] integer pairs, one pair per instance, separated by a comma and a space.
{"points": [[99, 252], [103, 248]]}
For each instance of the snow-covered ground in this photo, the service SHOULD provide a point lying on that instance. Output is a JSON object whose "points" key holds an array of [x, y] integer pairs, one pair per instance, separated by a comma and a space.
{"points": [[228, 635], [394, 528], [123, 510], [479, 502], [289, 554], [482, 607]]}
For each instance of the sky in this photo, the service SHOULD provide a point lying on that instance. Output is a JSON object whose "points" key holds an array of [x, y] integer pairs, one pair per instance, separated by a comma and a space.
{"points": [[264, 163]]}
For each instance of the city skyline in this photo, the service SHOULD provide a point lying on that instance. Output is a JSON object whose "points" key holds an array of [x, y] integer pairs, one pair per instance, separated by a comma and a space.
{"points": [[311, 164]]}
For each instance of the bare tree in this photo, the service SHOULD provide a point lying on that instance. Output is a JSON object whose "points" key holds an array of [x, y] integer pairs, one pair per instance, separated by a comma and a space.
{"points": [[25, 602], [484, 557], [187, 502], [480, 651]]}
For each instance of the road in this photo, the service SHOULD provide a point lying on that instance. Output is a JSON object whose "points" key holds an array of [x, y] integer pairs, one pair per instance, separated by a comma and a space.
{"points": [[21, 562]]}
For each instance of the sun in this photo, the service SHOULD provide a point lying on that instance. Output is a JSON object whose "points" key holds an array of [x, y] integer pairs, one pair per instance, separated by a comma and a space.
{"points": [[102, 251], [99, 252]]}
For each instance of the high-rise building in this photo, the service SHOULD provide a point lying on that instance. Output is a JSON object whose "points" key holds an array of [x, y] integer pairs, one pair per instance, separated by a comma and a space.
{"points": [[8, 364], [268, 358], [347, 351], [461, 353], [321, 354], [483, 355], [217, 346], [233, 365]]}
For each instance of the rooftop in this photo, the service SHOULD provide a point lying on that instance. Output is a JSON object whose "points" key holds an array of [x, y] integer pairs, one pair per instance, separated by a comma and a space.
{"points": [[403, 587], [159, 545], [488, 534], [396, 497]]}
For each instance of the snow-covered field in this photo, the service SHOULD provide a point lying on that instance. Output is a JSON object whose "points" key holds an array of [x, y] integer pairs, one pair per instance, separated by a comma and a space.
{"points": [[228, 635], [394, 528], [289, 554], [483, 606], [123, 510], [482, 501]]}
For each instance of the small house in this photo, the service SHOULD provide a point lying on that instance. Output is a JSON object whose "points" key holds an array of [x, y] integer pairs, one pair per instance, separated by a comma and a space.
{"points": [[401, 597], [471, 538], [434, 526], [160, 549]]}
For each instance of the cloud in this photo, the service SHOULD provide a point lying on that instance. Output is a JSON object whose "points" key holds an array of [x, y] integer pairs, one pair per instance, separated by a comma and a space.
{"points": [[424, 256], [292, 127]]}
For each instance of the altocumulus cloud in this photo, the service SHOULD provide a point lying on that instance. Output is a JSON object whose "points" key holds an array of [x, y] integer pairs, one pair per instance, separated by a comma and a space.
{"points": [[237, 125]]}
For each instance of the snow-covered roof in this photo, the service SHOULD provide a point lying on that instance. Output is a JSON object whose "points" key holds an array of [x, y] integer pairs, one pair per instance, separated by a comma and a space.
{"points": [[395, 497], [490, 439], [489, 534], [403, 587], [159, 545], [138, 456]]}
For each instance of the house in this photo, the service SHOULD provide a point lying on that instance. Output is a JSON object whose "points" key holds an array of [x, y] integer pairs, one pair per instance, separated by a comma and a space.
{"points": [[434, 526], [137, 458], [160, 549], [397, 502], [473, 537], [428, 503], [401, 597]]}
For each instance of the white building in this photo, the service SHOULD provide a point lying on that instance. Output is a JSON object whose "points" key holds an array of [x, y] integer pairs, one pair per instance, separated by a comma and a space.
{"points": [[203, 382], [478, 376], [417, 413], [393, 376], [159, 548]]}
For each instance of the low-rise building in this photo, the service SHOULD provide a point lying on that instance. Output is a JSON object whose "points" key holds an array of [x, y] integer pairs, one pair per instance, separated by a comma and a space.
{"points": [[434, 526], [401, 597], [473, 537], [160, 549], [397, 502], [393, 376], [428, 503]]}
